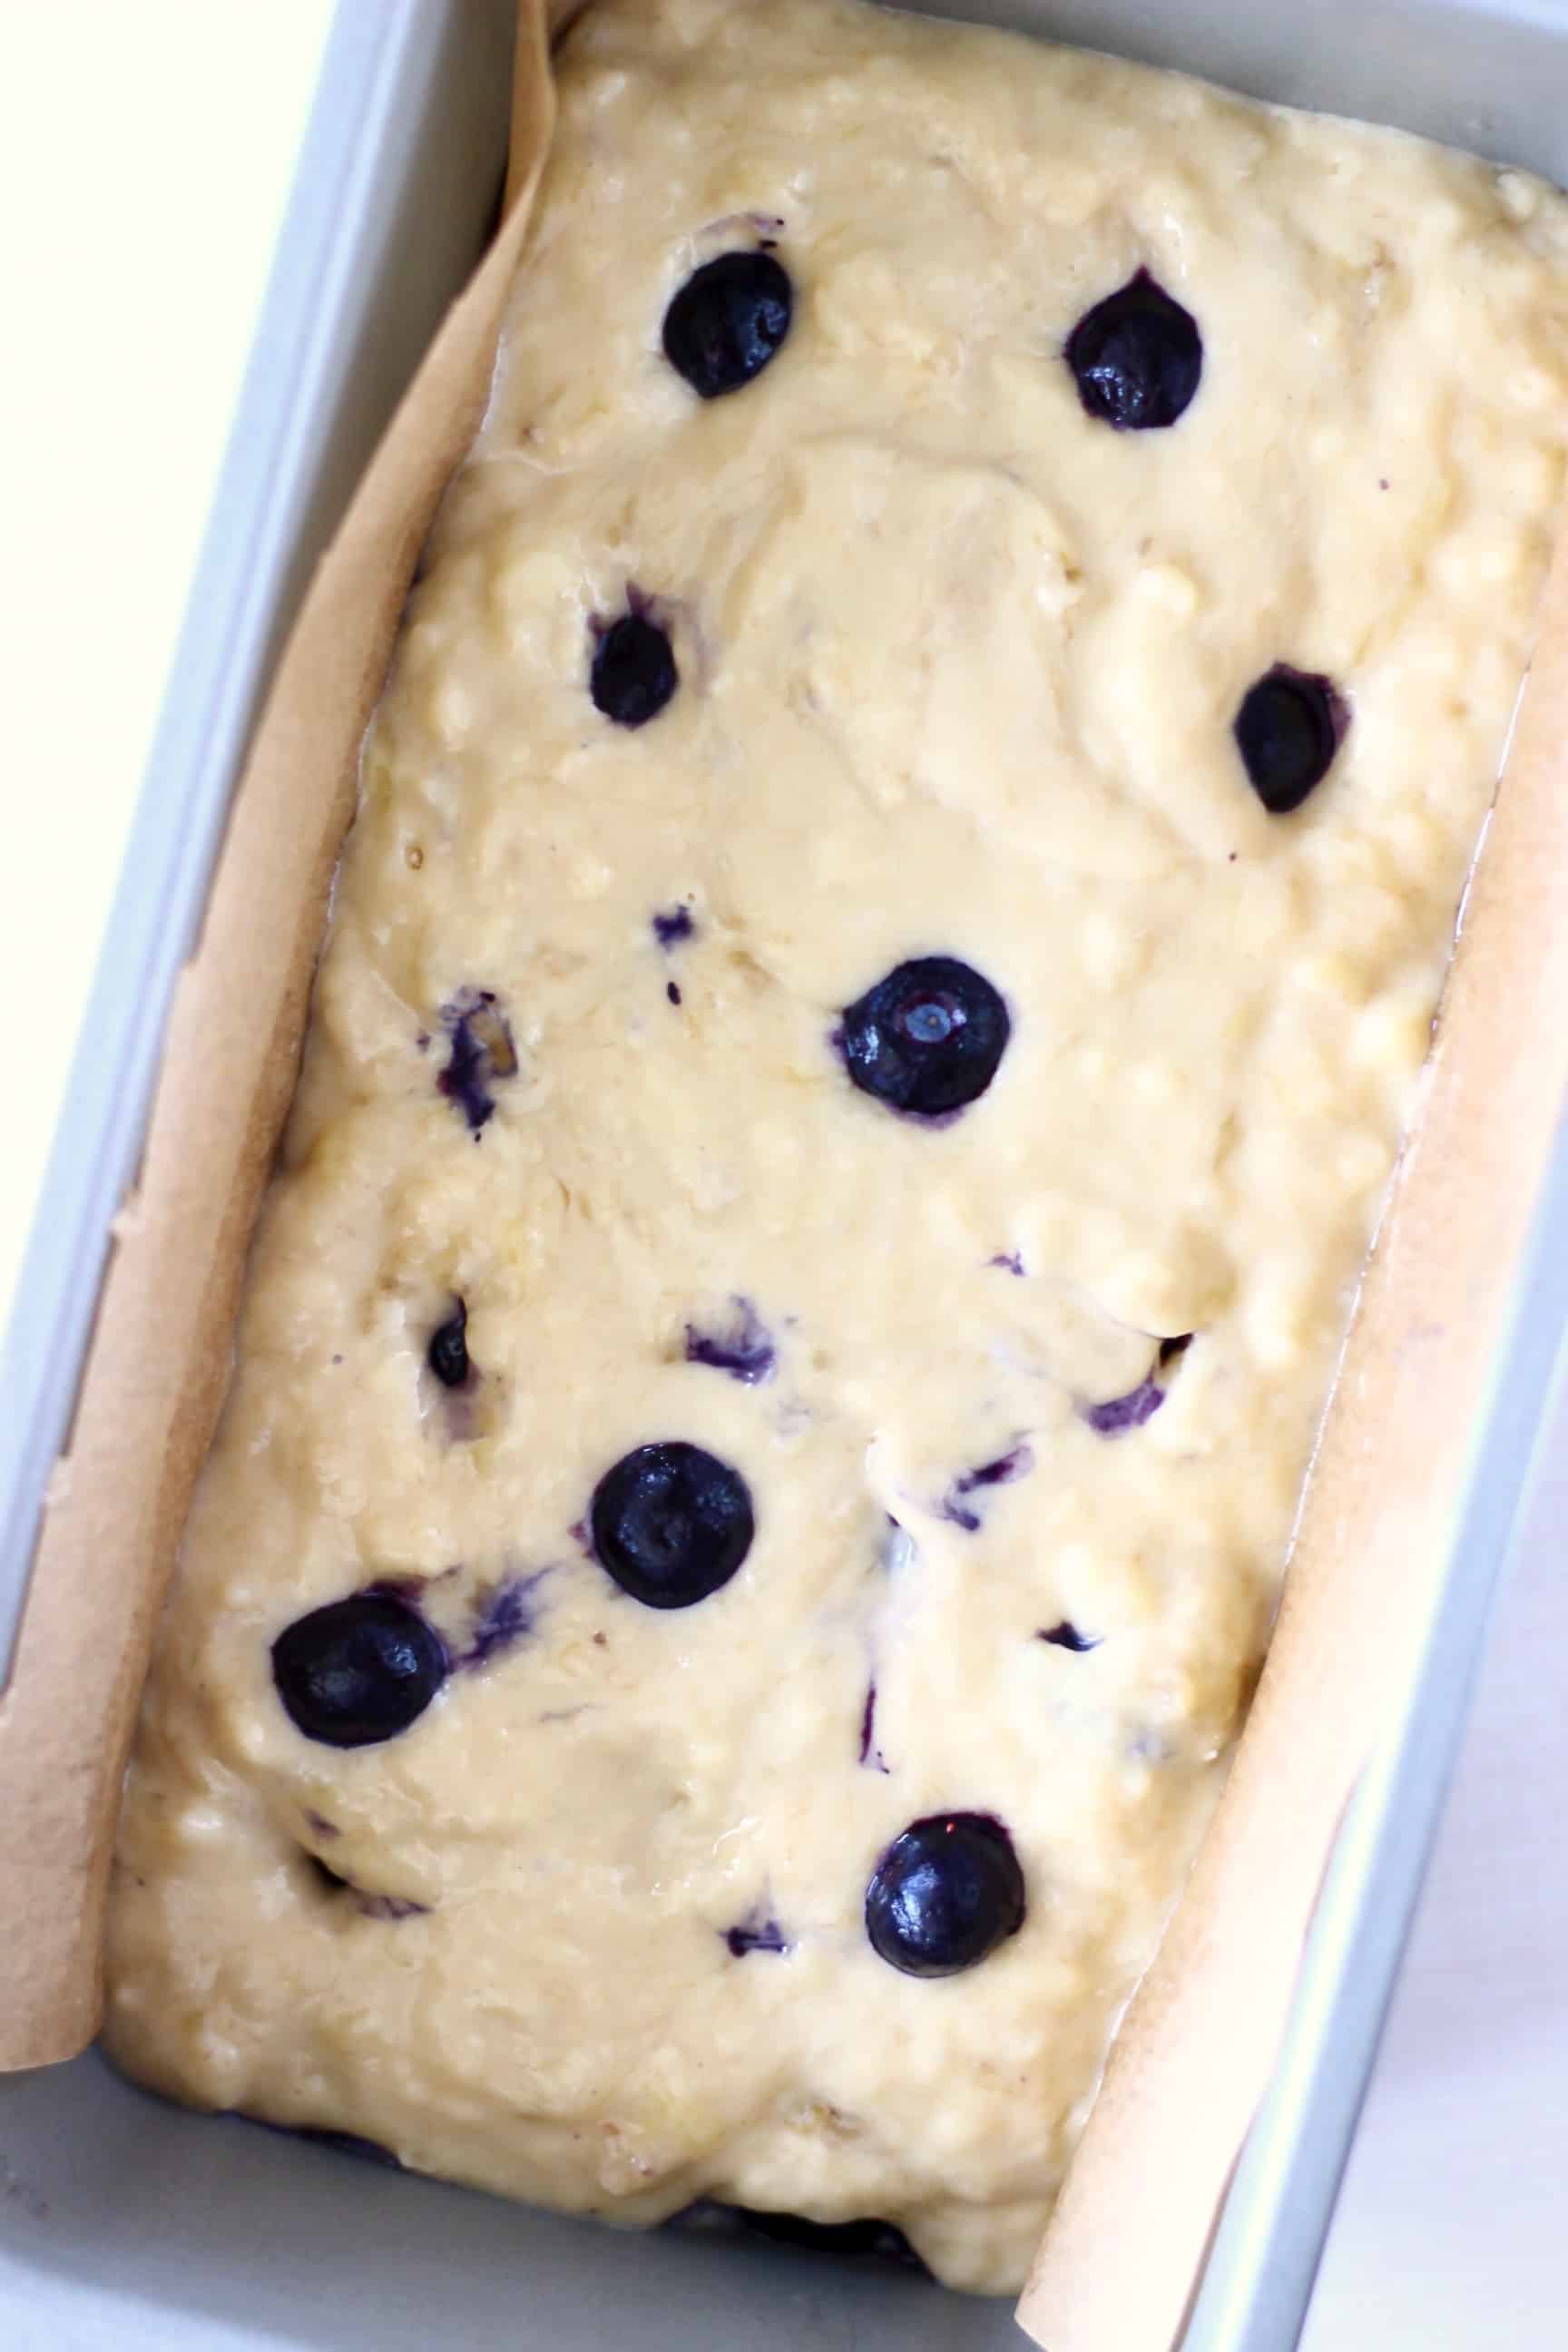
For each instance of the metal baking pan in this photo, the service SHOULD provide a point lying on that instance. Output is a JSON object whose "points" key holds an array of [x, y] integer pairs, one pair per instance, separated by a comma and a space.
{"points": [[128, 2224]]}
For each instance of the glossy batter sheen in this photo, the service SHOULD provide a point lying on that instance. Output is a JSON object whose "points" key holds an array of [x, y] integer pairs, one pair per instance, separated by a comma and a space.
{"points": [[958, 668]]}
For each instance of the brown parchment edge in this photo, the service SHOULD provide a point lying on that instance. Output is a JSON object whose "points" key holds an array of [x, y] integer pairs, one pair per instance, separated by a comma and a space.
{"points": [[1119, 2262], [1120, 2257], [161, 1353]]}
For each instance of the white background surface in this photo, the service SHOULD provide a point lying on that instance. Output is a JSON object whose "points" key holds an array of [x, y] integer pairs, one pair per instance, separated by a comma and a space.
{"points": [[145, 153]]}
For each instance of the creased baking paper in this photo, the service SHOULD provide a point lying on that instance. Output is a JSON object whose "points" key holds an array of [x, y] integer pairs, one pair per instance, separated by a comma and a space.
{"points": [[1123, 2253], [160, 1352]]}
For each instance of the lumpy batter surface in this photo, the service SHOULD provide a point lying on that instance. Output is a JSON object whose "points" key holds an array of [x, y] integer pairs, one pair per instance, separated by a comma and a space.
{"points": [[904, 871]]}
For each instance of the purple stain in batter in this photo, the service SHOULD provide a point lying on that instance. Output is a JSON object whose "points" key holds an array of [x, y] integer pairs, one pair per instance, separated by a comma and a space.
{"points": [[318, 1825], [758, 1932], [507, 1615], [482, 1052], [745, 1350], [672, 925], [1066, 1636], [1015, 1463], [1012, 1264], [391, 1906], [1119, 1414], [870, 1754]]}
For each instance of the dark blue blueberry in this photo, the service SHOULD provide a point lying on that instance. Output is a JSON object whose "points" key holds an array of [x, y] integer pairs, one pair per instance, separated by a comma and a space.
{"points": [[357, 1671], [482, 1052], [507, 1615], [671, 1523], [927, 1038], [728, 321], [1067, 1637], [447, 1354], [633, 674], [670, 929], [1136, 357], [745, 1349], [945, 1895], [1016, 1463], [1287, 729], [757, 1932]]}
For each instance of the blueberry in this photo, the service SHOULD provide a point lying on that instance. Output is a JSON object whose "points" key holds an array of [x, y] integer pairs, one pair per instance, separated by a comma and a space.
{"points": [[945, 1895], [1136, 357], [671, 1523], [1287, 729], [633, 674], [727, 321], [447, 1354], [927, 1038], [357, 1671]]}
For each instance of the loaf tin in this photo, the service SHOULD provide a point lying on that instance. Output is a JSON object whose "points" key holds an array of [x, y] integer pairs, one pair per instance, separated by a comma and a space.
{"points": [[129, 2224]]}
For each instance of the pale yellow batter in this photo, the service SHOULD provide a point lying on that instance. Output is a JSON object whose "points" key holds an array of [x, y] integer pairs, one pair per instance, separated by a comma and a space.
{"points": [[958, 665]]}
